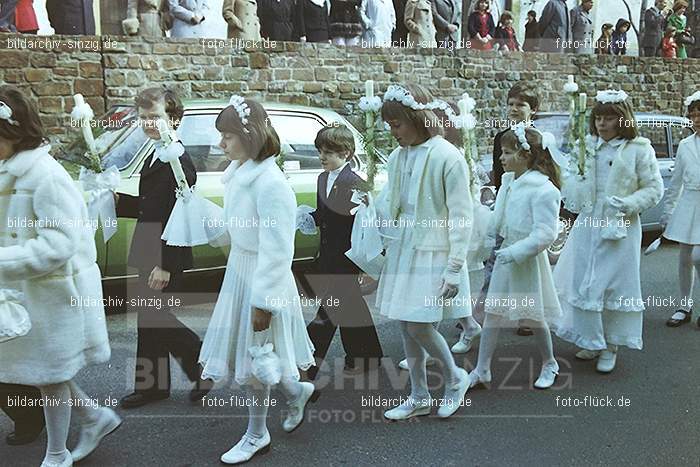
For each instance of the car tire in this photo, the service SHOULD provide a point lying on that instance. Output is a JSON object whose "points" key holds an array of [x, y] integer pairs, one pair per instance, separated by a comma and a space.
{"points": [[367, 284]]}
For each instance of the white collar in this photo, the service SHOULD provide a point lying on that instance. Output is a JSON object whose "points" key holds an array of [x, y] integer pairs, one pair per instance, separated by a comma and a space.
{"points": [[247, 172], [615, 142], [18, 164], [320, 3], [337, 171]]}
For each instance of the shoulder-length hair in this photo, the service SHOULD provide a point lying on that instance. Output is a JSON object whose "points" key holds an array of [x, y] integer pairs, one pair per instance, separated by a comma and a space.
{"points": [[627, 124], [425, 122], [538, 158], [29, 133], [258, 136]]}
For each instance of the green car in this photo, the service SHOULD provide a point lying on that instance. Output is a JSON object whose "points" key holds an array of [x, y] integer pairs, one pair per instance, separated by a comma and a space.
{"points": [[128, 146]]}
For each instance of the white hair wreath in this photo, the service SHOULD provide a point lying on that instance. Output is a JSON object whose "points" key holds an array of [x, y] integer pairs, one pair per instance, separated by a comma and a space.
{"points": [[692, 98], [403, 96], [6, 114], [242, 109], [611, 96], [519, 130]]}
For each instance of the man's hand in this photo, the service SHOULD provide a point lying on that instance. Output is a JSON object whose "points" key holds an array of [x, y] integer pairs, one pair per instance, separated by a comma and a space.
{"points": [[159, 279], [451, 28], [261, 319]]}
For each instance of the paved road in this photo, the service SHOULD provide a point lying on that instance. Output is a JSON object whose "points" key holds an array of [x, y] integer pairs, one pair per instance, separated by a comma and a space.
{"points": [[654, 420]]}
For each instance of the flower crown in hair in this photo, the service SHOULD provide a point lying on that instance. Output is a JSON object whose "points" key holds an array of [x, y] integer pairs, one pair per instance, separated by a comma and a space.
{"points": [[6, 114], [693, 98], [519, 131], [403, 96], [611, 96], [242, 109]]}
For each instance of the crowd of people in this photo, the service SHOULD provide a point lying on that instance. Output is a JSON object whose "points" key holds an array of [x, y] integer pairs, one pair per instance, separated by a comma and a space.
{"points": [[257, 335], [378, 23]]}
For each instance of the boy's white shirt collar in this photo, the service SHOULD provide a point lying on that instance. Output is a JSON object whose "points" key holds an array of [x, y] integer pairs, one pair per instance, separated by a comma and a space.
{"points": [[332, 177]]}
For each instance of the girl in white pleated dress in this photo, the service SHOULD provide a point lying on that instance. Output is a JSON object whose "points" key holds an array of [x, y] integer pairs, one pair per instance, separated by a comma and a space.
{"points": [[428, 204], [682, 212], [597, 275], [258, 301], [526, 216]]}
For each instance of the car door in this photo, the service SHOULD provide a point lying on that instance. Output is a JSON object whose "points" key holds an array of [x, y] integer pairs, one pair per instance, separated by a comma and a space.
{"points": [[658, 132]]}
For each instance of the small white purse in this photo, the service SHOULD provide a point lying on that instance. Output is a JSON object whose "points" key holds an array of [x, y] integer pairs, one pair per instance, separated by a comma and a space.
{"points": [[266, 365], [14, 319]]}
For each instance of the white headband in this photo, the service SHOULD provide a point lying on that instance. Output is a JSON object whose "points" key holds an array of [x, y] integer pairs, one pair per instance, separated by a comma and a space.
{"points": [[519, 130], [242, 109], [549, 142], [693, 98], [611, 96], [6, 114], [403, 96]]}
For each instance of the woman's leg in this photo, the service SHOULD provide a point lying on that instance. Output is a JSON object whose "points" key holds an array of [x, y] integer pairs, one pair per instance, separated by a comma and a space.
{"points": [[416, 357], [427, 337], [57, 411]]}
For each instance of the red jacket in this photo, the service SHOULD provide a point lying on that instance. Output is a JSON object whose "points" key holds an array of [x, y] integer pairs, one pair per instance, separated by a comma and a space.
{"points": [[668, 47], [25, 18]]}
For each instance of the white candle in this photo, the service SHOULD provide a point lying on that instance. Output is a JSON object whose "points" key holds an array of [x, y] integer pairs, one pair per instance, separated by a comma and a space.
{"points": [[85, 127], [571, 79], [369, 88], [582, 101], [462, 105]]}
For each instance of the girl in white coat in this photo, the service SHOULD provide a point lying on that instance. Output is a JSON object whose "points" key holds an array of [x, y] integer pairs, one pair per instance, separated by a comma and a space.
{"points": [[259, 292], [47, 261], [428, 204], [681, 217], [378, 21], [525, 216], [597, 275]]}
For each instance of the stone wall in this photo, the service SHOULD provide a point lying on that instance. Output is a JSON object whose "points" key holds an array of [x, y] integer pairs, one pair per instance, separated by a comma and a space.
{"points": [[109, 71]]}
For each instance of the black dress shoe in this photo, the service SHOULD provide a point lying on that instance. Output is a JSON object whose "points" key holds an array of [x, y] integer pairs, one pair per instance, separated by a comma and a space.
{"points": [[524, 331], [674, 323], [20, 438], [201, 389], [139, 399]]}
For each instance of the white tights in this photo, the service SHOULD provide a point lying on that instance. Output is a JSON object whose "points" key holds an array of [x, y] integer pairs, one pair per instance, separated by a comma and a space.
{"points": [[489, 340], [419, 338], [689, 259], [257, 413]]}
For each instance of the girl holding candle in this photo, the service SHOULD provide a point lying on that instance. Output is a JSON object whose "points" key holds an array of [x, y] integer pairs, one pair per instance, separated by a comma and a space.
{"points": [[681, 218], [597, 275], [423, 280]]}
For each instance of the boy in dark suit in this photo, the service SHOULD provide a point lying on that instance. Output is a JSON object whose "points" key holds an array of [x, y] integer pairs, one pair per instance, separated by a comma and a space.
{"points": [[160, 266], [343, 304]]}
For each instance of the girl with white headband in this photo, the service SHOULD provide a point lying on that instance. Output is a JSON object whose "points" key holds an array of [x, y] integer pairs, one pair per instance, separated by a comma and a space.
{"points": [[526, 217], [428, 205], [43, 268], [258, 303], [597, 275], [681, 219]]}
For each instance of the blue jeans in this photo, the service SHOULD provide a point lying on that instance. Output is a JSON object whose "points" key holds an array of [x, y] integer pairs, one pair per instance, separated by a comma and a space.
{"points": [[7, 14]]}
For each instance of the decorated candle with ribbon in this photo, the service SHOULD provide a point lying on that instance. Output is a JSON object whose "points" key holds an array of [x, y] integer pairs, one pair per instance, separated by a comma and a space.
{"points": [[84, 114]]}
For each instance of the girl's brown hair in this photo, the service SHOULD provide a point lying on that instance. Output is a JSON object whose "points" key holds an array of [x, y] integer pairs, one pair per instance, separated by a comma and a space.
{"points": [[538, 158], [695, 105], [425, 122], [627, 124], [258, 136], [679, 4], [29, 133]]}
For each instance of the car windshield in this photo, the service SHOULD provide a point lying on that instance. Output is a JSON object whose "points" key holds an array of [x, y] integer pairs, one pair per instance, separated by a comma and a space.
{"points": [[120, 126]]}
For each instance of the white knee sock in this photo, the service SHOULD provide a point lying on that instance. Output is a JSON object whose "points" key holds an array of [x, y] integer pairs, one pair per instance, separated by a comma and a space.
{"points": [[290, 388], [433, 342], [257, 412], [415, 357], [487, 344], [57, 414]]}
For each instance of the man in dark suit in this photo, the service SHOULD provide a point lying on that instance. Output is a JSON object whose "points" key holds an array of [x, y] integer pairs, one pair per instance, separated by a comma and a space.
{"points": [[28, 418], [160, 266], [400, 33], [71, 17], [555, 27], [654, 27], [342, 304], [447, 16]]}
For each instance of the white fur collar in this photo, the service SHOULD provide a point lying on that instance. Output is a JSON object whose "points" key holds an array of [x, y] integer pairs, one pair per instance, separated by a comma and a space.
{"points": [[247, 172], [18, 164]]}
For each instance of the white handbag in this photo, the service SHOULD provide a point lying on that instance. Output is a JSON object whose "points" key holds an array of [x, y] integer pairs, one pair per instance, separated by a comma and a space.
{"points": [[266, 365], [14, 319]]}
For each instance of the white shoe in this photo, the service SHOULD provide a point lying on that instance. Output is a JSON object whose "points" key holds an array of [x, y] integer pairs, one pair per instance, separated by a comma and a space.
{"points": [[464, 344], [246, 448], [297, 409], [548, 374], [410, 408], [67, 461], [454, 395], [606, 361], [587, 354], [430, 361], [91, 434], [476, 379]]}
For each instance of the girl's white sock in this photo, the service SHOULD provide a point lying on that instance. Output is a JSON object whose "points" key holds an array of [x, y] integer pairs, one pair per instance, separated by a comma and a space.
{"points": [[57, 414], [257, 411]]}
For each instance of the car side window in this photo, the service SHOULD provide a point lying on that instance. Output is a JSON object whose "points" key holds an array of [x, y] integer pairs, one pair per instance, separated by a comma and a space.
{"points": [[297, 134], [678, 133], [201, 140], [657, 134]]}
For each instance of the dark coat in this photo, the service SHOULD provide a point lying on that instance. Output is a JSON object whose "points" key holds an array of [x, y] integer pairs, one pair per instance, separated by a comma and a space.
{"points": [[501, 38], [401, 31], [152, 209], [618, 46], [474, 24], [555, 23], [276, 19], [532, 37], [71, 17], [332, 216], [345, 18], [313, 21], [654, 27], [497, 165]]}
